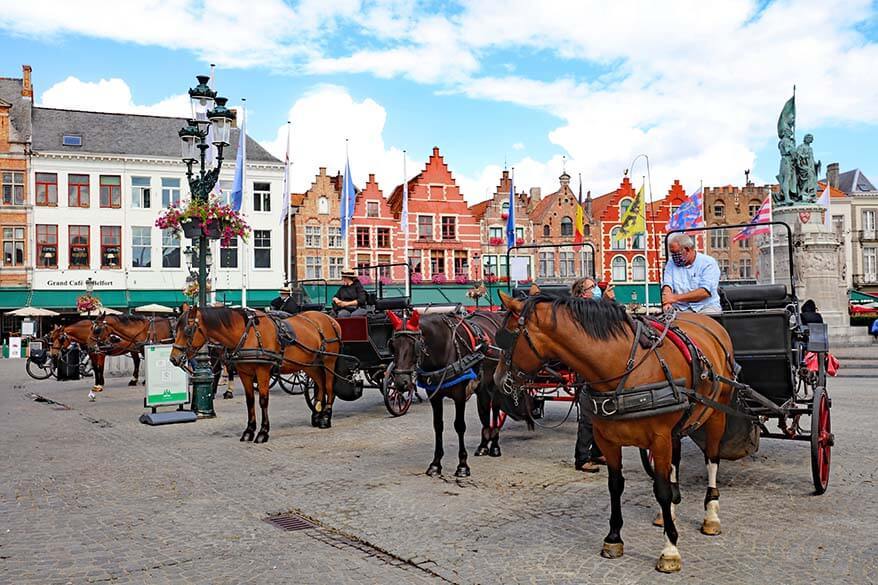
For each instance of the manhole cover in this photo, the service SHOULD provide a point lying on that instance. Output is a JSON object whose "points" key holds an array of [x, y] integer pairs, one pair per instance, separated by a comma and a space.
{"points": [[290, 522]]}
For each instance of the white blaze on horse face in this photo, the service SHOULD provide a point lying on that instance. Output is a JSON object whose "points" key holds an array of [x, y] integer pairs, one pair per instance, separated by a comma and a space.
{"points": [[711, 474]]}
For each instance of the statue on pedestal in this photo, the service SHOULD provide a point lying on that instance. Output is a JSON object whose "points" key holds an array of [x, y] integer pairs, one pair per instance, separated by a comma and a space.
{"points": [[798, 172], [807, 170]]}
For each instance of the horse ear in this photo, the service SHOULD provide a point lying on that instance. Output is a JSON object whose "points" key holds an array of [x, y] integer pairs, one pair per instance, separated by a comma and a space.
{"points": [[510, 304], [414, 321], [395, 321], [184, 307], [534, 290]]}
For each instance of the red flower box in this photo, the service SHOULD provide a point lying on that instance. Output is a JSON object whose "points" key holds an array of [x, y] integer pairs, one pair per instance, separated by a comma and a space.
{"points": [[495, 241]]}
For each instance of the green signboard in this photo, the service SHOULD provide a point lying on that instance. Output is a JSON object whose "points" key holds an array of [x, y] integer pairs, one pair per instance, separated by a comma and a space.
{"points": [[166, 384]]}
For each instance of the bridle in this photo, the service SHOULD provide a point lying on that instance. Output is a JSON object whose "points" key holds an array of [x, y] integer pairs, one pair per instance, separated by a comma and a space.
{"points": [[507, 340], [419, 349], [192, 324]]}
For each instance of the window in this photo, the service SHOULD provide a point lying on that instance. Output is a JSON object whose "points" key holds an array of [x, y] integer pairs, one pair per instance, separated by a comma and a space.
{"points": [[614, 243], [13, 246], [110, 191], [312, 236], [111, 246], [363, 261], [723, 267], [504, 208], [638, 269], [334, 237], [870, 264], [719, 240], [719, 209], [229, 254], [753, 208], [323, 206], [225, 191], [141, 247], [77, 191], [362, 237], [47, 189], [414, 260], [262, 197], [382, 237], [47, 246], [567, 264], [313, 268], [868, 218], [71, 140], [547, 264], [744, 244], [384, 271], [838, 223], [170, 191], [745, 268], [262, 248], [425, 227], [586, 257], [437, 262], [140, 193], [449, 228], [586, 230], [371, 209], [623, 206], [519, 233], [170, 249], [461, 263], [80, 246], [637, 242], [547, 231], [335, 266], [566, 226], [620, 269], [495, 232], [489, 265]]}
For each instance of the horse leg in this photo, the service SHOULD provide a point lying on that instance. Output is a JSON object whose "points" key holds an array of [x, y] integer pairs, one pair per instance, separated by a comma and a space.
{"points": [[250, 399], [670, 560], [435, 467], [319, 397], [675, 484], [97, 362], [613, 546], [715, 427], [460, 427], [230, 370], [484, 407], [263, 379], [135, 377], [328, 378], [494, 449]]}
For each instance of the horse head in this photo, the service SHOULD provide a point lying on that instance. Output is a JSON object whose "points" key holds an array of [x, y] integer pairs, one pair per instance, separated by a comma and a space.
{"points": [[190, 336], [520, 358], [407, 345], [58, 340]]}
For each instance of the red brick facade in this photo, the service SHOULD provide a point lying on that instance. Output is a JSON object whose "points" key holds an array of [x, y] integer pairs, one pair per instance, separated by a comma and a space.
{"points": [[730, 206], [375, 236]]}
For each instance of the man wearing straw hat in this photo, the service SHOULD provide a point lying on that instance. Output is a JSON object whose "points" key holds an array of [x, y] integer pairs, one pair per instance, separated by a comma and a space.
{"points": [[350, 299], [285, 302]]}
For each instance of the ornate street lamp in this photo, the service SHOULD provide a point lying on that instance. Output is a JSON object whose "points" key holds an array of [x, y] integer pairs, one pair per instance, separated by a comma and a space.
{"points": [[211, 124]]}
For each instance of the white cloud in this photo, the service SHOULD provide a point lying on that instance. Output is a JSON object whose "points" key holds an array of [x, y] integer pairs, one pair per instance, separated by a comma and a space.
{"points": [[518, 146], [109, 95]]}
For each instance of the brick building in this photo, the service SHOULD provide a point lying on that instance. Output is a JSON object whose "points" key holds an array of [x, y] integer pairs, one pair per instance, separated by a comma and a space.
{"points": [[443, 234], [730, 205], [317, 229], [375, 236], [492, 216], [16, 103], [553, 218]]}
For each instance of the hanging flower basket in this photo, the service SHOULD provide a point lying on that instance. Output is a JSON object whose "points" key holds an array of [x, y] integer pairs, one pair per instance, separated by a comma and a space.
{"points": [[194, 228], [210, 218], [87, 303]]}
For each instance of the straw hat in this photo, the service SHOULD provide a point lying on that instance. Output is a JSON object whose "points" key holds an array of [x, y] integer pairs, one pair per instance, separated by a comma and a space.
{"points": [[348, 274], [284, 289]]}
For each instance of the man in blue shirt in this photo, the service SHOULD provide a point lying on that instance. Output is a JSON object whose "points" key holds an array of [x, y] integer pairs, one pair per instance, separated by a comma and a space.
{"points": [[691, 279]]}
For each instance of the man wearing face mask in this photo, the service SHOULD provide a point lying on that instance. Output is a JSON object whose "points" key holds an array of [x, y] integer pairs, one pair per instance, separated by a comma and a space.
{"points": [[691, 279]]}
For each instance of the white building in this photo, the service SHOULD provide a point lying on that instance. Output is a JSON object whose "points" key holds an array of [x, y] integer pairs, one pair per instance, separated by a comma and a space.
{"points": [[99, 181]]}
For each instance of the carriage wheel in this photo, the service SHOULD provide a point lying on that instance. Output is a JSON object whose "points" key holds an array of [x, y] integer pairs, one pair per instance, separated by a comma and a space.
{"points": [[85, 367], [822, 440], [309, 389], [646, 461], [294, 383], [40, 372], [396, 400]]}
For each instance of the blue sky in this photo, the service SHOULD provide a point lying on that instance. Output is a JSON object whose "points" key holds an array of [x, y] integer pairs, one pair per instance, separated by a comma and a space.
{"points": [[697, 88]]}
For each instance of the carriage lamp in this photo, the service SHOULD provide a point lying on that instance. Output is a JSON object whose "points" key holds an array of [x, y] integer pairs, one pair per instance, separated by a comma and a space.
{"points": [[89, 285]]}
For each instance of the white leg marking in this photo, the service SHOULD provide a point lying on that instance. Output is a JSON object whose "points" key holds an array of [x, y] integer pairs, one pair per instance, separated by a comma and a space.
{"points": [[674, 477], [670, 551], [673, 511], [712, 512], [711, 474]]}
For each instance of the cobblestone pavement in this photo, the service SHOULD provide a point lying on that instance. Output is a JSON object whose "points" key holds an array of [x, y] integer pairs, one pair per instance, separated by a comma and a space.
{"points": [[89, 495]]}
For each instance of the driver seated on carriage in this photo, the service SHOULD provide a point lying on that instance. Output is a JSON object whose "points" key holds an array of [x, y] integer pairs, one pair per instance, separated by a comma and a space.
{"points": [[691, 279], [350, 299], [285, 302]]}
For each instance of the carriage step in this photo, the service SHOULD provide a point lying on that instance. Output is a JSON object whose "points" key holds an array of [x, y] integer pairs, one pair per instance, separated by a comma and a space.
{"points": [[290, 522]]}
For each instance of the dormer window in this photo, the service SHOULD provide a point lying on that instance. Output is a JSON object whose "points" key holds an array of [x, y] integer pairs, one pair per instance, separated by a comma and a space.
{"points": [[71, 140]]}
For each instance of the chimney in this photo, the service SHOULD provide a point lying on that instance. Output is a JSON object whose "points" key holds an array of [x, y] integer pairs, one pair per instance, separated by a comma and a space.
{"points": [[27, 90], [832, 175], [535, 194]]}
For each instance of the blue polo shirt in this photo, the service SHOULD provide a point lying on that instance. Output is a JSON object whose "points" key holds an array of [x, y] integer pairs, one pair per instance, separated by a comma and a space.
{"points": [[702, 273]]}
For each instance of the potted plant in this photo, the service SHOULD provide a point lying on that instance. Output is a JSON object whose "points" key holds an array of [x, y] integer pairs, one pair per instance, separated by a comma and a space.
{"points": [[439, 278], [211, 218], [461, 279], [491, 279], [504, 215], [365, 279], [519, 241], [495, 241], [191, 290], [385, 280], [87, 303], [417, 278]]}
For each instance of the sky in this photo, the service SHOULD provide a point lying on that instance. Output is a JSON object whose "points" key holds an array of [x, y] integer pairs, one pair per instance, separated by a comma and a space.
{"points": [[581, 85]]}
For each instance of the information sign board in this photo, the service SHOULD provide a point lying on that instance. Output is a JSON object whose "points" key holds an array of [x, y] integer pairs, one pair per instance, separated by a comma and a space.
{"points": [[166, 384]]}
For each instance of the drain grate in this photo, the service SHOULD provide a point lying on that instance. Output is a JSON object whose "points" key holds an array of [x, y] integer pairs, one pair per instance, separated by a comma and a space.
{"points": [[290, 522]]}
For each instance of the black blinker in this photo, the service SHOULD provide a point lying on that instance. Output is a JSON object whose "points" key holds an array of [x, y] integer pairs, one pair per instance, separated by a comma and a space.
{"points": [[504, 339]]}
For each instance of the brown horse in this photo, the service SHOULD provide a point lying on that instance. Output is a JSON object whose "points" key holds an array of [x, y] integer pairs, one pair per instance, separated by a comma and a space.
{"points": [[257, 347], [606, 347], [82, 332]]}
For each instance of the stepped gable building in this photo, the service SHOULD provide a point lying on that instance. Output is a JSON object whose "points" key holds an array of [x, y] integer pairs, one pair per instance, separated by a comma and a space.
{"points": [[553, 218], [375, 235], [492, 216], [624, 261], [16, 103], [319, 247], [854, 201], [443, 234]]}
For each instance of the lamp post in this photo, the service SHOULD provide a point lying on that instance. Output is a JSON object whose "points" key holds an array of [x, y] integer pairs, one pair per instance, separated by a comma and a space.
{"points": [[211, 124]]}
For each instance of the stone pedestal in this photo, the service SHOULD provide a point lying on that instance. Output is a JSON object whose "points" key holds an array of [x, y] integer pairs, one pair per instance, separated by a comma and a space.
{"points": [[816, 259]]}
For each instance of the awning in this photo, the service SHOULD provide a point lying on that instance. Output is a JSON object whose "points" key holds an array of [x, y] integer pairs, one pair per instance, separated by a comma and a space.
{"points": [[65, 299], [861, 297], [13, 298]]}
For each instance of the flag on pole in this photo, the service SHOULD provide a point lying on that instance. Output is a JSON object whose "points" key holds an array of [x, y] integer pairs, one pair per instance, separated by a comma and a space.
{"points": [[633, 221], [824, 201], [285, 204], [579, 223], [754, 228], [404, 216], [240, 160], [348, 198], [690, 214], [510, 220]]}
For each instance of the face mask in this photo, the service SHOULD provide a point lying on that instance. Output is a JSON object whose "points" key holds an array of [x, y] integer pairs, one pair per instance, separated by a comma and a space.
{"points": [[596, 293], [677, 257]]}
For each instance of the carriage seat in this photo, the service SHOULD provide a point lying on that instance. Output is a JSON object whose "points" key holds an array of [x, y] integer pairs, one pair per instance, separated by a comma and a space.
{"points": [[310, 307], [754, 296], [391, 304], [558, 291]]}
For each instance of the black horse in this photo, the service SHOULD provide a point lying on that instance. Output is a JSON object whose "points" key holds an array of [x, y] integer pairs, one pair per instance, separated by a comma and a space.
{"points": [[452, 356]]}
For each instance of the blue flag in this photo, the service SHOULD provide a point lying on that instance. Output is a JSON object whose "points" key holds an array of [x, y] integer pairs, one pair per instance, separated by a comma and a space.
{"points": [[240, 158], [348, 198], [510, 220]]}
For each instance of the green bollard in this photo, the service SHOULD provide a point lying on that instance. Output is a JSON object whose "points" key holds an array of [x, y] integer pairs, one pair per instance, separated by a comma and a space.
{"points": [[202, 386]]}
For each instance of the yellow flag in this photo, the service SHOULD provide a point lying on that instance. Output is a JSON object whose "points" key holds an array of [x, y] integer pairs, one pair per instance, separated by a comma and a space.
{"points": [[633, 222]]}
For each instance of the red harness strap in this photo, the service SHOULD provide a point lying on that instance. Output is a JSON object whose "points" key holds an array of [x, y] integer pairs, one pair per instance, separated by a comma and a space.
{"points": [[469, 333], [675, 339]]}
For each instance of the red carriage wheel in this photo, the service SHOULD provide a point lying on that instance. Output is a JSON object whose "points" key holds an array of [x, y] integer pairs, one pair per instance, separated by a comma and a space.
{"points": [[822, 440], [397, 400]]}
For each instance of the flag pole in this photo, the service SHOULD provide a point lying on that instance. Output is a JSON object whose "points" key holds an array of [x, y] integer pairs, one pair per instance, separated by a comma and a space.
{"points": [[771, 230], [646, 245], [245, 257], [344, 211], [288, 205], [405, 228]]}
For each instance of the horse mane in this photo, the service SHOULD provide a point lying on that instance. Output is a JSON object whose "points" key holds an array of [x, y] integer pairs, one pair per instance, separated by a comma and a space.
{"points": [[601, 320], [216, 317], [126, 319]]}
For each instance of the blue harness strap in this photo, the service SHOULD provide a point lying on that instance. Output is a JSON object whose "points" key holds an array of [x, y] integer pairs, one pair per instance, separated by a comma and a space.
{"points": [[464, 377]]}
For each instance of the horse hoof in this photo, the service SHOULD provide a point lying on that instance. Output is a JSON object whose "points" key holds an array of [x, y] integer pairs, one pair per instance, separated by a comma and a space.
{"points": [[612, 550], [261, 437], [315, 418], [324, 422], [227, 395], [669, 564], [434, 470], [132, 382], [494, 451], [97, 388], [710, 528], [247, 435], [462, 471], [481, 451]]}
